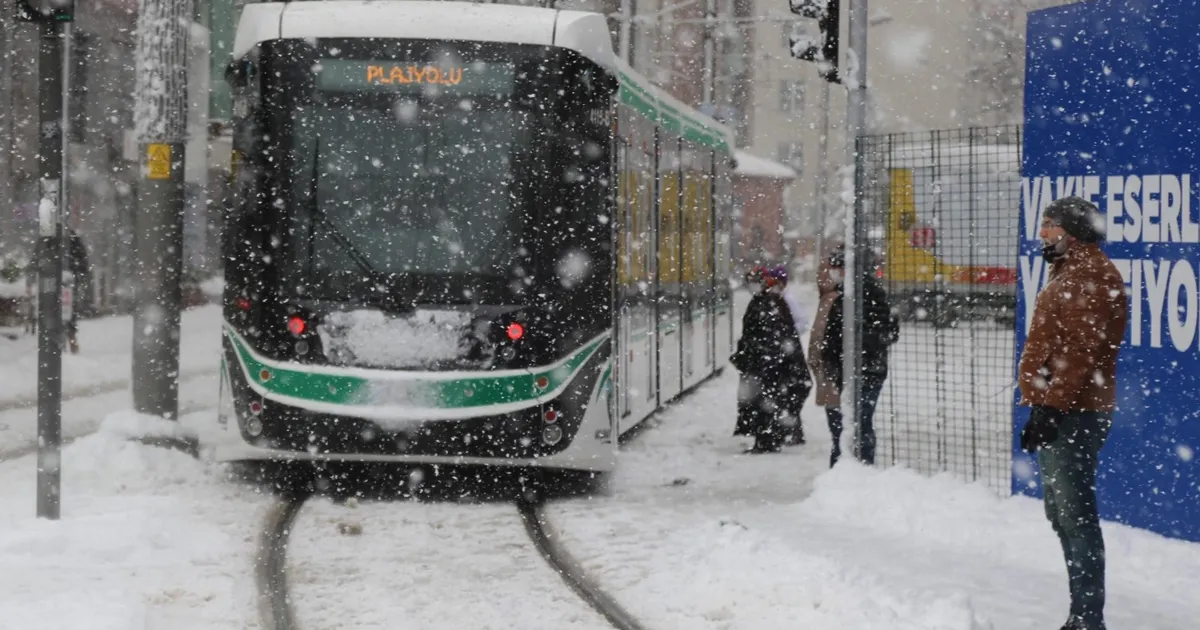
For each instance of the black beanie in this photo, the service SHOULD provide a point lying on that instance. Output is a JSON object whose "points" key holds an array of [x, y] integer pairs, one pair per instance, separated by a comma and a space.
{"points": [[1079, 217]]}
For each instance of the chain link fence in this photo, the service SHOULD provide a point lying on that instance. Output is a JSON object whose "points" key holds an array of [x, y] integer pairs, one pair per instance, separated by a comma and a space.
{"points": [[940, 210]]}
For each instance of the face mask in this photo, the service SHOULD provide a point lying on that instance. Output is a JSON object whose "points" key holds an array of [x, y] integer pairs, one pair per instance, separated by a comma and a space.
{"points": [[1051, 252], [836, 276]]}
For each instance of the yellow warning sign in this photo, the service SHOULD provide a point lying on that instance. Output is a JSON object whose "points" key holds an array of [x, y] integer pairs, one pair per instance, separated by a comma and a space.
{"points": [[158, 158]]}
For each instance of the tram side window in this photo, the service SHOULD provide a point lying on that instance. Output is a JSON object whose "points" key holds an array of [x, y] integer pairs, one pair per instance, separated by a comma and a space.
{"points": [[668, 224], [242, 228], [644, 209], [585, 107], [628, 202], [723, 205]]}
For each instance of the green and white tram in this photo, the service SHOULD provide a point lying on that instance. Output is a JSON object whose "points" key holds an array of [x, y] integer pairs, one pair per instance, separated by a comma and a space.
{"points": [[461, 234]]}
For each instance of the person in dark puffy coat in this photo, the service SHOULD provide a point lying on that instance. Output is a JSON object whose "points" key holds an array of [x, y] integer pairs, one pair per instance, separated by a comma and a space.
{"points": [[881, 329], [774, 372]]}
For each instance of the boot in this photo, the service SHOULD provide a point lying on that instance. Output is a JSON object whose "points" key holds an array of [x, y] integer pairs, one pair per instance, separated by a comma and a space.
{"points": [[1075, 623]]}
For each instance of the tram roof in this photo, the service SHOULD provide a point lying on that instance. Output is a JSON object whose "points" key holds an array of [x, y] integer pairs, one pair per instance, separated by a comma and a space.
{"points": [[581, 31]]}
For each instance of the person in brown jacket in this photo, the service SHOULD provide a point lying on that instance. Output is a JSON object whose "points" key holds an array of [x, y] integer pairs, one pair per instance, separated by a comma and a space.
{"points": [[828, 392], [1067, 374]]}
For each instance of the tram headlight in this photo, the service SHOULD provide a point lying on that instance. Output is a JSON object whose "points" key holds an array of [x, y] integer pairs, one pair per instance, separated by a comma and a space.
{"points": [[552, 434]]}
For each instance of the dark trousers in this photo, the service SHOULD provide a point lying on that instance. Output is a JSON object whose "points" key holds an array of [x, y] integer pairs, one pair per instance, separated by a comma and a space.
{"points": [[872, 386], [1068, 467], [833, 415]]}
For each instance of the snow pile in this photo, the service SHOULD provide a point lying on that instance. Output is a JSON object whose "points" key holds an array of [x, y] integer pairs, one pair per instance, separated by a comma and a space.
{"points": [[738, 574], [130, 424], [955, 519], [148, 538], [371, 338]]}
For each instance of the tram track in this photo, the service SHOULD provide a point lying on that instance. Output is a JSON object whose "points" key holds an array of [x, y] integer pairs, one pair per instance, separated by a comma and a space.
{"points": [[274, 588], [275, 600], [542, 534]]}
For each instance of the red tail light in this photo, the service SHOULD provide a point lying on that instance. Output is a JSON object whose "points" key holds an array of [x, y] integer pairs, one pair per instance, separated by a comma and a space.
{"points": [[243, 303], [515, 331], [296, 325]]}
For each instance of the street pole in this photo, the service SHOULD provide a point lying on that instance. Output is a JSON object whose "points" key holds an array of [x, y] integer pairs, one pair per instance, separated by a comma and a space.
{"points": [[855, 247], [823, 171], [710, 18], [51, 87], [626, 29], [160, 125]]}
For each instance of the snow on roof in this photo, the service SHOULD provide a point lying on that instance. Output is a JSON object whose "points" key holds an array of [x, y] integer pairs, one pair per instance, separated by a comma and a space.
{"points": [[754, 166]]}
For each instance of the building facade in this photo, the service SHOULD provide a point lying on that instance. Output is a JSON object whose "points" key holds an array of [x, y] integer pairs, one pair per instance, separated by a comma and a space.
{"points": [[101, 155], [931, 64]]}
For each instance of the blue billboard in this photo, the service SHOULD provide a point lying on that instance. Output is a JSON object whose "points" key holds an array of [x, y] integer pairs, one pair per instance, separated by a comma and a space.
{"points": [[1112, 114]]}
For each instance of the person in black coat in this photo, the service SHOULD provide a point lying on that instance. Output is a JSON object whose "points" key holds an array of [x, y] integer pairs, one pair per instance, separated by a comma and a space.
{"points": [[881, 329], [77, 265], [774, 372]]}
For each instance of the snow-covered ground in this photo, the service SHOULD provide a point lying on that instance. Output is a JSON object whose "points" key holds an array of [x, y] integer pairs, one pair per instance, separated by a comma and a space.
{"points": [[149, 538], [698, 535], [104, 360], [83, 415], [694, 534], [425, 565], [96, 381]]}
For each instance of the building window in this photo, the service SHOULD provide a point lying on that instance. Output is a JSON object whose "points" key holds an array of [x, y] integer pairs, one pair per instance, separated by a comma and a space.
{"points": [[791, 96], [791, 154]]}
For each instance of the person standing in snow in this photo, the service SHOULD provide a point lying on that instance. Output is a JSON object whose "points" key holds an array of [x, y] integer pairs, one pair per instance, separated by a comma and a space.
{"points": [[798, 394], [771, 361], [1067, 375], [828, 391], [880, 329], [80, 270]]}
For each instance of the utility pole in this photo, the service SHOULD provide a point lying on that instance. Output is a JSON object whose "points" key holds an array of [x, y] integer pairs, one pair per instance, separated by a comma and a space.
{"points": [[160, 125], [53, 20], [823, 170], [710, 53], [856, 85], [626, 30]]}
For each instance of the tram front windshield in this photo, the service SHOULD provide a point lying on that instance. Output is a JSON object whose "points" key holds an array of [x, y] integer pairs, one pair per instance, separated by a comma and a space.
{"points": [[411, 162]]}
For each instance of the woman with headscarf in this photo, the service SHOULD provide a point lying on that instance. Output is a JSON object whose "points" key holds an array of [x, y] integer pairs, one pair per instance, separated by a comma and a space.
{"points": [[880, 329], [771, 361], [828, 390]]}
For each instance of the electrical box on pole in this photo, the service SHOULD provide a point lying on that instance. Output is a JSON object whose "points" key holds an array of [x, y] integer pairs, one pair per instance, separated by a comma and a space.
{"points": [[41, 10], [822, 50]]}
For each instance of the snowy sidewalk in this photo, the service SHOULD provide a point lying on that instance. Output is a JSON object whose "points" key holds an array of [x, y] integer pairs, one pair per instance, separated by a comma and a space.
{"points": [[698, 535], [104, 360], [96, 381]]}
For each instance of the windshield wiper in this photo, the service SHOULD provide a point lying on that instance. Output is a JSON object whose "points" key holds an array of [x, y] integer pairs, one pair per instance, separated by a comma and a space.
{"points": [[383, 284]]}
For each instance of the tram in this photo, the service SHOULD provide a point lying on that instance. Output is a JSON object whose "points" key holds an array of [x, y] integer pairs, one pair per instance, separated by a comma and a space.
{"points": [[461, 234]]}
